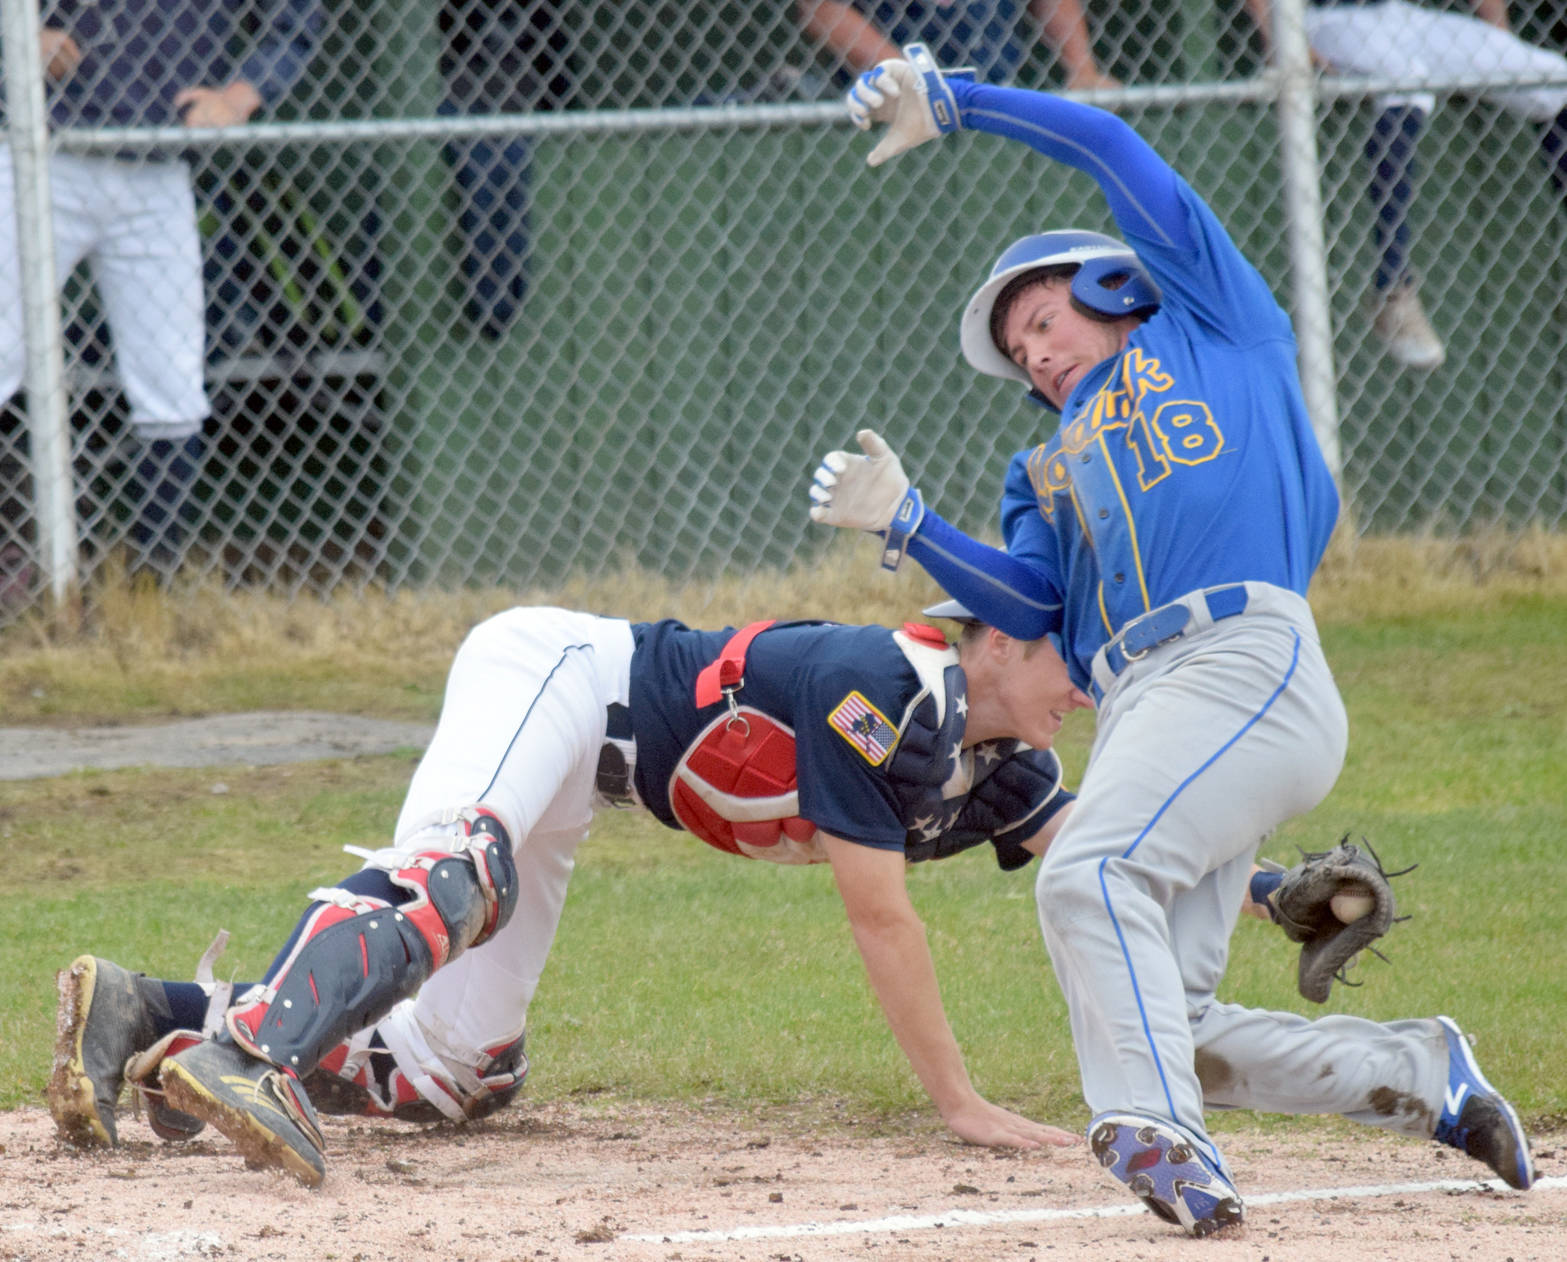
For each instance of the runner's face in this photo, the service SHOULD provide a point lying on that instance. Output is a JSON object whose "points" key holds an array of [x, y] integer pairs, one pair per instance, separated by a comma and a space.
{"points": [[1053, 342]]}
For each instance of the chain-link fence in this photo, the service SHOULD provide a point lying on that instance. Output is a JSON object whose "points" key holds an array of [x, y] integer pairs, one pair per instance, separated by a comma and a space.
{"points": [[502, 291]]}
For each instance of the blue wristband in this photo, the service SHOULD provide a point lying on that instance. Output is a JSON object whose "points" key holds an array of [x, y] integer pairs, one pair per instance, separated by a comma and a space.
{"points": [[943, 105], [905, 521], [1263, 884]]}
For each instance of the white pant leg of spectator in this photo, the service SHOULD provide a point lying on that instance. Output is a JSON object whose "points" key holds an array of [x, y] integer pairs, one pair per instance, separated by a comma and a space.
{"points": [[75, 227], [1368, 39], [148, 272], [1397, 39], [520, 732], [1454, 44]]}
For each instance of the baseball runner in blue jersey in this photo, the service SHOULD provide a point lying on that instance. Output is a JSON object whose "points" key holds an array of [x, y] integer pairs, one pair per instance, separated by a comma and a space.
{"points": [[404, 990], [1167, 532]]}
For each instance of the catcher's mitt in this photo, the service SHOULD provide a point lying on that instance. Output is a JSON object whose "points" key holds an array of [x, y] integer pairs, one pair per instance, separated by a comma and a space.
{"points": [[1303, 905]]}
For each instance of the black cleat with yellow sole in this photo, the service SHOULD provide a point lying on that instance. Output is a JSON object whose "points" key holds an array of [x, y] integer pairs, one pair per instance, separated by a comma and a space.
{"points": [[261, 1109]]}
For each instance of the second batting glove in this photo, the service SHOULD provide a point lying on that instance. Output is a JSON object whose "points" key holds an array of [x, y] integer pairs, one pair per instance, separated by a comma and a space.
{"points": [[868, 492]]}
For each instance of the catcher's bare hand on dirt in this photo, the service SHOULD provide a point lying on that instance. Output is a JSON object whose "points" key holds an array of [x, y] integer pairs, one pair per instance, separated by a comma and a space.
{"points": [[980, 1122]]}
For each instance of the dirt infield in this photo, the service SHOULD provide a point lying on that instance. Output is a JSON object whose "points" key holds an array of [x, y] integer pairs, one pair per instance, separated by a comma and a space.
{"points": [[259, 738], [584, 1181]]}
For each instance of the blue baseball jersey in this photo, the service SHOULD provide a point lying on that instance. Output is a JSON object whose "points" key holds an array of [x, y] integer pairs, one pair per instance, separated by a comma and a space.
{"points": [[876, 756], [984, 34], [1186, 461]]}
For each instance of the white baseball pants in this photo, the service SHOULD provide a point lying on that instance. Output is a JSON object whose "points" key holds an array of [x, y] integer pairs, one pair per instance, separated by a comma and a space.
{"points": [[520, 731], [135, 224]]}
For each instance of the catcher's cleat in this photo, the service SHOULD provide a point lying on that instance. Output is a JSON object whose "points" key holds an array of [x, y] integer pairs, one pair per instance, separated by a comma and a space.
{"points": [[105, 1018], [1165, 1170], [1476, 1119], [350, 1082], [263, 1110]]}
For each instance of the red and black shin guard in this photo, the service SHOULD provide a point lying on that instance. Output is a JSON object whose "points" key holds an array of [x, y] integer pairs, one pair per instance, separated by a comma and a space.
{"points": [[354, 956]]}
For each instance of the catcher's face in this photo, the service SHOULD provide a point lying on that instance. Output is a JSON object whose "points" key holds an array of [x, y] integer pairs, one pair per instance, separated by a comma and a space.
{"points": [[1053, 342], [1021, 689], [1045, 693]]}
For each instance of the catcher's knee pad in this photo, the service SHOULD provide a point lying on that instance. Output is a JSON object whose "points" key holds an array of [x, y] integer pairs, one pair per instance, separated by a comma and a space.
{"points": [[472, 884], [355, 955]]}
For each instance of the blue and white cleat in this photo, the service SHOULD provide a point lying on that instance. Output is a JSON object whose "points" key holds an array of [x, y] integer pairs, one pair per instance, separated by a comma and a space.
{"points": [[1164, 1169], [1476, 1119]]}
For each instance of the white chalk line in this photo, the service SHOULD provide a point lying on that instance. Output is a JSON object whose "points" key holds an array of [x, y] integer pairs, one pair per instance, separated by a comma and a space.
{"points": [[1121, 1209], [176, 1244], [151, 1246]]}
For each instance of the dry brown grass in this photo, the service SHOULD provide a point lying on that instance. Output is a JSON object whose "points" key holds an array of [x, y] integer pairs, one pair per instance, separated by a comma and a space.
{"points": [[1391, 576], [130, 647]]}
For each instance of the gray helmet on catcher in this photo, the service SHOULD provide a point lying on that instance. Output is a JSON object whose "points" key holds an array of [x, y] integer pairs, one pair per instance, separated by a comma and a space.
{"points": [[1110, 282], [958, 612]]}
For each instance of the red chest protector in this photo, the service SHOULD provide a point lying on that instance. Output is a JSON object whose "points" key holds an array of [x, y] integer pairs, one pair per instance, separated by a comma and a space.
{"points": [[735, 787]]}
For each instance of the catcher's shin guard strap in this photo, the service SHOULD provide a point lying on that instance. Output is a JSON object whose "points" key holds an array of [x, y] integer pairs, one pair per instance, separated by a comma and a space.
{"points": [[355, 955]]}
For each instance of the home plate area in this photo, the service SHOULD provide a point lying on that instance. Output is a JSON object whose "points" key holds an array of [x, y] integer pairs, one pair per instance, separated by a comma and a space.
{"points": [[595, 1179]]}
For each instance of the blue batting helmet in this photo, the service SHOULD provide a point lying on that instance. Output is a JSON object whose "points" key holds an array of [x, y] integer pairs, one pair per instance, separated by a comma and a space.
{"points": [[1100, 260]]}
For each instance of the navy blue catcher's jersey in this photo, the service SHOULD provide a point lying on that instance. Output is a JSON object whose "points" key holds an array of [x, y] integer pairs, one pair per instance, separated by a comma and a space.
{"points": [[844, 691]]}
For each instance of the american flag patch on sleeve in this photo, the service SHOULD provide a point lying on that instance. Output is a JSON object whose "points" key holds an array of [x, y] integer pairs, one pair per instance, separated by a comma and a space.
{"points": [[865, 727]]}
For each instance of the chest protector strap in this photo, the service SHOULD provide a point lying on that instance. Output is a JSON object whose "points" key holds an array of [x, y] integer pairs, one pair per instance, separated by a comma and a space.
{"points": [[735, 787], [727, 673]]}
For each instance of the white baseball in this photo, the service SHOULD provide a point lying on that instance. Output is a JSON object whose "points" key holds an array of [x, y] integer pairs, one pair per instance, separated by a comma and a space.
{"points": [[1350, 905]]}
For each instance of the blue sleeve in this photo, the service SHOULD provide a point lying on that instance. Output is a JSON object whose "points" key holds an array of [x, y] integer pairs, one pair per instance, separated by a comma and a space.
{"points": [[275, 67], [1009, 592], [1142, 189], [1176, 234]]}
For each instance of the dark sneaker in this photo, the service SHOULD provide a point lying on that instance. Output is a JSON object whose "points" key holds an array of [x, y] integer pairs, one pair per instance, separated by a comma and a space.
{"points": [[265, 1112], [1164, 1169], [105, 1017], [1476, 1119]]}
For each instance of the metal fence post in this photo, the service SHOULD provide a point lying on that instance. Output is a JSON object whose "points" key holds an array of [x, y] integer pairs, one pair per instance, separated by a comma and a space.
{"points": [[1303, 228], [48, 417]]}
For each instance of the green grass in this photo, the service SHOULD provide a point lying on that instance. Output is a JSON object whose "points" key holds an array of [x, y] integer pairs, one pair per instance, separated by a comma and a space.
{"points": [[683, 974]]}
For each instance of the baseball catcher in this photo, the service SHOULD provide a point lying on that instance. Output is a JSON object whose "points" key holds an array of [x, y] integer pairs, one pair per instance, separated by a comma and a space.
{"points": [[1335, 903], [404, 989]]}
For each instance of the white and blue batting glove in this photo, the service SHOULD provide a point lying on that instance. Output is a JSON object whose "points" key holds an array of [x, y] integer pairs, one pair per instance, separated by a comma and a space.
{"points": [[867, 99], [868, 492], [911, 96]]}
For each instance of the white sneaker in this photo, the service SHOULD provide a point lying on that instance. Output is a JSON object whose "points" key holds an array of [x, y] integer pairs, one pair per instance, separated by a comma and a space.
{"points": [[1402, 325]]}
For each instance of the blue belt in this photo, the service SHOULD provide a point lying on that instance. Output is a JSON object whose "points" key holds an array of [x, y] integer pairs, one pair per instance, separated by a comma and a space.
{"points": [[1142, 635]]}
